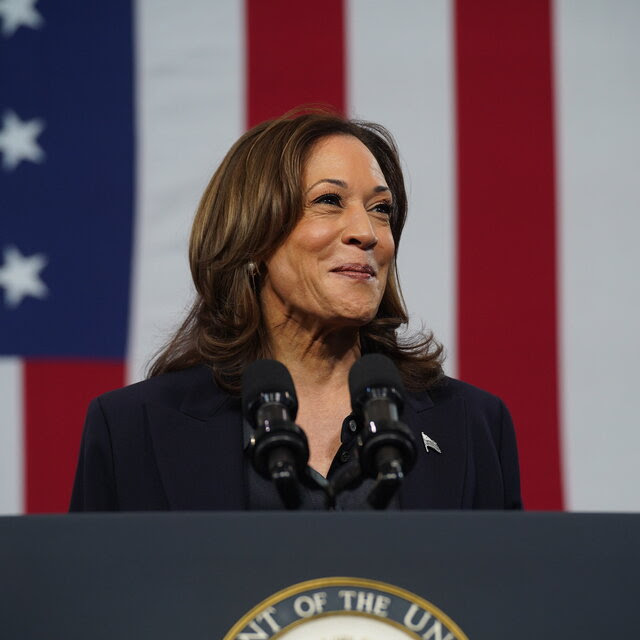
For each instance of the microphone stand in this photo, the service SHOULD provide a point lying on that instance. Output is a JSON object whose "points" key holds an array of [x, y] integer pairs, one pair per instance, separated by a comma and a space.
{"points": [[387, 482], [285, 478], [389, 478]]}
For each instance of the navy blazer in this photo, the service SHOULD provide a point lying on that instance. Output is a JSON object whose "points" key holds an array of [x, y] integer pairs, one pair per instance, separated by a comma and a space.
{"points": [[174, 442]]}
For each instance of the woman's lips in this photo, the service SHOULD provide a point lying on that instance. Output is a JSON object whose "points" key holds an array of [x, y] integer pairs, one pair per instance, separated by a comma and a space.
{"points": [[355, 271]]}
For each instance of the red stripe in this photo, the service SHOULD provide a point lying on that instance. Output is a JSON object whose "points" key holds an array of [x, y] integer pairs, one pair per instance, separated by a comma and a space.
{"points": [[507, 238], [295, 56], [56, 397]]}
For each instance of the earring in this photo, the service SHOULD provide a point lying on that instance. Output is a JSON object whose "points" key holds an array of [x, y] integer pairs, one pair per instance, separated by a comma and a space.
{"points": [[252, 268]]}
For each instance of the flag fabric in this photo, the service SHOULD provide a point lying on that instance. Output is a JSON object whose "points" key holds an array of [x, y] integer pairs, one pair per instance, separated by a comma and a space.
{"points": [[517, 127]]}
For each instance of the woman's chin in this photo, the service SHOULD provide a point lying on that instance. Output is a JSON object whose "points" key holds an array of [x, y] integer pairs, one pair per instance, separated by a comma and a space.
{"points": [[353, 318]]}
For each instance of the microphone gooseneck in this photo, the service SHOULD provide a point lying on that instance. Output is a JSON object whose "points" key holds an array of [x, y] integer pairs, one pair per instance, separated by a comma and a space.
{"points": [[269, 404], [387, 447]]}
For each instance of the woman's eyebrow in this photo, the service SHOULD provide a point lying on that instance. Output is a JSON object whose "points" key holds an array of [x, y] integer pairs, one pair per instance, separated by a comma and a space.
{"points": [[341, 183], [338, 183]]}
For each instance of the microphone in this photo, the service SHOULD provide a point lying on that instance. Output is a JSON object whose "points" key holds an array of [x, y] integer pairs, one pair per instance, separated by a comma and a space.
{"points": [[281, 450], [387, 446]]}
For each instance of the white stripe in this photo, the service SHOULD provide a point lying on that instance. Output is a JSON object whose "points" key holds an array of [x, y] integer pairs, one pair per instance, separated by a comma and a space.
{"points": [[11, 437], [400, 74], [598, 93], [190, 109]]}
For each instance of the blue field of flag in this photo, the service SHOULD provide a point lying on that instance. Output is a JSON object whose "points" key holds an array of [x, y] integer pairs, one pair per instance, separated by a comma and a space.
{"points": [[66, 179]]}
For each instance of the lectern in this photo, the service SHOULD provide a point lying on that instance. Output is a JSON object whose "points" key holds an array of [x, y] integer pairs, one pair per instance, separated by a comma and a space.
{"points": [[320, 575]]}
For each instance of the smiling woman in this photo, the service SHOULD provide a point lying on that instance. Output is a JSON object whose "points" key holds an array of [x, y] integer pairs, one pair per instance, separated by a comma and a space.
{"points": [[293, 256], [293, 197]]}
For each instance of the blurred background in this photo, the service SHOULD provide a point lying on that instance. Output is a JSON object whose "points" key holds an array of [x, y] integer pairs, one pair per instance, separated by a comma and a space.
{"points": [[518, 125]]}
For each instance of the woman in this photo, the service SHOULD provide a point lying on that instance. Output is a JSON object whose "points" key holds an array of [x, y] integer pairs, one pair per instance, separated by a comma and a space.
{"points": [[293, 255]]}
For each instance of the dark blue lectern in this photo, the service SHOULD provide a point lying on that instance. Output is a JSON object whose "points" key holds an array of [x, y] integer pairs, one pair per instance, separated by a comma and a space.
{"points": [[203, 575]]}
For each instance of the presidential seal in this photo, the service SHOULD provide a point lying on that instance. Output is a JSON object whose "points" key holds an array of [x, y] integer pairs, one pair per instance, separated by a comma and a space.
{"points": [[345, 609]]}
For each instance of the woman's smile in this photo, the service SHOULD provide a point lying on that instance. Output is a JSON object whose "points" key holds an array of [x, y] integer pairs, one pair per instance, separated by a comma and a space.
{"points": [[361, 272]]}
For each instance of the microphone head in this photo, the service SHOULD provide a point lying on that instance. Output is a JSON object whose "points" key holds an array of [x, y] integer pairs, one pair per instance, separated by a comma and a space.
{"points": [[374, 371], [267, 377]]}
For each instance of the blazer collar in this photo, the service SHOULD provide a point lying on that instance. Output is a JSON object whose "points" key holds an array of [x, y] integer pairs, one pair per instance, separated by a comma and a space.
{"points": [[198, 447], [419, 402], [204, 398]]}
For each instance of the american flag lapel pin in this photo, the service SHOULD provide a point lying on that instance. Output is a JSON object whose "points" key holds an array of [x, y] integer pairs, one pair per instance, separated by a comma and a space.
{"points": [[428, 442]]}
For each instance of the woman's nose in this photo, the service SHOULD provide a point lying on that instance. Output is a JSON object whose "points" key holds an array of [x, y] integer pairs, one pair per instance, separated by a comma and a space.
{"points": [[359, 229]]}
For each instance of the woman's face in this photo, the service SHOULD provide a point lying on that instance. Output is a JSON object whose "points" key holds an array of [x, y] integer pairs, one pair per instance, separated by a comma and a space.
{"points": [[333, 267]]}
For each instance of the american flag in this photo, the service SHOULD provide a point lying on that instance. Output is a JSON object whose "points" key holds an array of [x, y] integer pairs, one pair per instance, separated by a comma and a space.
{"points": [[518, 128]]}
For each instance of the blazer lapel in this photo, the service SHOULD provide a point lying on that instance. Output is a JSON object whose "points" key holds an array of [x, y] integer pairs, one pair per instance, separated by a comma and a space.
{"points": [[437, 479], [198, 449]]}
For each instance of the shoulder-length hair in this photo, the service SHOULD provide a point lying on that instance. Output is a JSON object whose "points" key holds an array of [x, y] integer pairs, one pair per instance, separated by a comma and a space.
{"points": [[251, 204]]}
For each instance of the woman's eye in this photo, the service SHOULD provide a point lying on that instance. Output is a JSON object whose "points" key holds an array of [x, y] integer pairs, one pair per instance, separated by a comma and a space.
{"points": [[383, 207], [329, 198]]}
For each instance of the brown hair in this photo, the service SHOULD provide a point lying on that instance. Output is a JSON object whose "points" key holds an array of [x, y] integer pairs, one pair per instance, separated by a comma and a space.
{"points": [[250, 206]]}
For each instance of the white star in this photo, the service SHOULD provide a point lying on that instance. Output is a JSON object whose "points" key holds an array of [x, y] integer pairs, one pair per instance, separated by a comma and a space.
{"points": [[18, 13], [18, 140], [20, 276]]}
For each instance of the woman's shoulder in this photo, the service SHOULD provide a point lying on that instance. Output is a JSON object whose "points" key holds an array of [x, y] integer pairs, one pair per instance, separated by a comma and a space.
{"points": [[484, 413], [447, 389], [172, 390]]}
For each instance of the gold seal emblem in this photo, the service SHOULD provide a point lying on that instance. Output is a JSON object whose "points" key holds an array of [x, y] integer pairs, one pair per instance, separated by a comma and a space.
{"points": [[345, 609]]}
